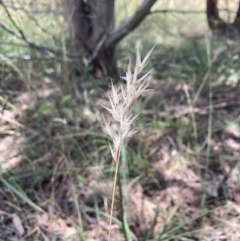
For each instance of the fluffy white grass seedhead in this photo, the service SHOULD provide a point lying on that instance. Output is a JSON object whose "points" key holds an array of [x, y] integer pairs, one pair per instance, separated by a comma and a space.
{"points": [[118, 126], [121, 98]]}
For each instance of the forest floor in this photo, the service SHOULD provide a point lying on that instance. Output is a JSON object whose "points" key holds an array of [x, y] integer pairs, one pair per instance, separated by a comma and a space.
{"points": [[181, 180]]}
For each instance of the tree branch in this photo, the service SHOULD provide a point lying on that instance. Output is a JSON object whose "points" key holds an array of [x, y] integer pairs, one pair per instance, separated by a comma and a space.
{"points": [[188, 12], [117, 34], [114, 36], [32, 11]]}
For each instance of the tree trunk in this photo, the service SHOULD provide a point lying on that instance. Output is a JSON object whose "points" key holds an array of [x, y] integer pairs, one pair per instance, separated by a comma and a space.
{"points": [[89, 21], [213, 18], [92, 30], [216, 23], [102, 25], [236, 22], [78, 15]]}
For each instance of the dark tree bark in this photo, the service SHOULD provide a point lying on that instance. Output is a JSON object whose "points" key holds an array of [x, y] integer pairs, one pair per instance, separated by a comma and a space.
{"points": [[216, 23], [213, 18], [89, 21], [77, 13], [236, 22], [93, 34]]}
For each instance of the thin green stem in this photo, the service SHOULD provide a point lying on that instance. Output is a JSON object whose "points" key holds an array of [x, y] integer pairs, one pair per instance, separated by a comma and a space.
{"points": [[117, 181], [190, 105], [113, 193], [121, 201]]}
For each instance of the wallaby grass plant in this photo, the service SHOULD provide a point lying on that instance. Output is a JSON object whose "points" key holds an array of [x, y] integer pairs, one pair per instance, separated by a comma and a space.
{"points": [[119, 125]]}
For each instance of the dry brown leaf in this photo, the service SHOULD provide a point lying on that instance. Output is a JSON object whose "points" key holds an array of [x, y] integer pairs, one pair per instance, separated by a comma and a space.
{"points": [[232, 144], [17, 222]]}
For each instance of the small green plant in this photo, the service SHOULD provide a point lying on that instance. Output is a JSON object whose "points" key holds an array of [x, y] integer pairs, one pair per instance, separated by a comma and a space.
{"points": [[119, 124]]}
